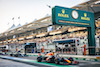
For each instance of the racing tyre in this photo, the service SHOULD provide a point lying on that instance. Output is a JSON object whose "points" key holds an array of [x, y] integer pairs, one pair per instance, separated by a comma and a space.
{"points": [[39, 59], [11, 54], [57, 61]]}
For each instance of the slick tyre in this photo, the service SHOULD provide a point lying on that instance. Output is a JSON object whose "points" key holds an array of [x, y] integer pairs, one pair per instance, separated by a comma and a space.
{"points": [[39, 59], [11, 54], [57, 61]]}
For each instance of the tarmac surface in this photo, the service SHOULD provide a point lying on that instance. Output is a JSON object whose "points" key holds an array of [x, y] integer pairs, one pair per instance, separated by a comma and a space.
{"points": [[81, 63], [9, 63]]}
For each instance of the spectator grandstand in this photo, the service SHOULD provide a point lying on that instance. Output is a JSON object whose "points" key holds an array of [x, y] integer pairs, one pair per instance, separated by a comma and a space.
{"points": [[38, 31]]}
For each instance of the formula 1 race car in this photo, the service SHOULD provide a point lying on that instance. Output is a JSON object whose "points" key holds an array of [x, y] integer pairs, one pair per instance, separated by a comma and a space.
{"points": [[47, 57], [17, 54], [69, 61], [50, 57]]}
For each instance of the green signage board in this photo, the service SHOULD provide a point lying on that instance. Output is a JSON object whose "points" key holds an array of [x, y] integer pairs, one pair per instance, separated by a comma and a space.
{"points": [[73, 17], [62, 15]]}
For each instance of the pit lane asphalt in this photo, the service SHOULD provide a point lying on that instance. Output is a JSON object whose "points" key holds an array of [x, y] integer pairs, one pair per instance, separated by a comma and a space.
{"points": [[9, 63], [33, 62], [81, 63]]}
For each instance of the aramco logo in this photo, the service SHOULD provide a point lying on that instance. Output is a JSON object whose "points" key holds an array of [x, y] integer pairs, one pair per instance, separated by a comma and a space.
{"points": [[62, 14], [85, 17]]}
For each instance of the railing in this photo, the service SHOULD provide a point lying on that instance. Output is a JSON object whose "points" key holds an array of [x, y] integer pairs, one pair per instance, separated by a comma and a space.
{"points": [[67, 50], [77, 50]]}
